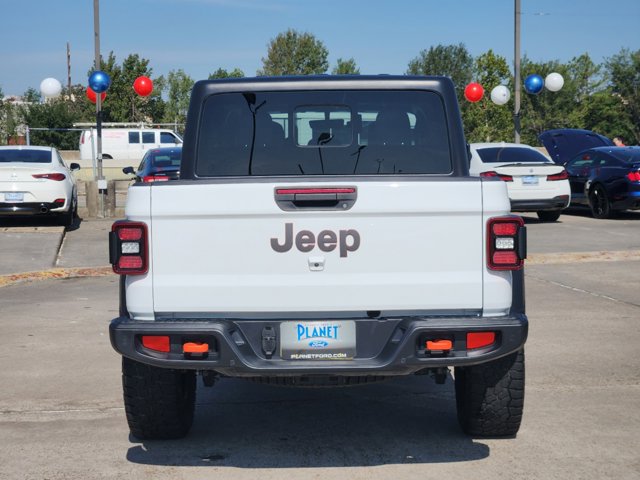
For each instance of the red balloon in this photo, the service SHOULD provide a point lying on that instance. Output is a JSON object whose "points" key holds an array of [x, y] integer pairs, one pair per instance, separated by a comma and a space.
{"points": [[91, 95], [473, 92], [143, 86]]}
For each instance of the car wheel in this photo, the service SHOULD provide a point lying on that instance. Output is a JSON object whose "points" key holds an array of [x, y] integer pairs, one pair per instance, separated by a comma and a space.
{"points": [[599, 202], [159, 402], [490, 396], [68, 218], [548, 215]]}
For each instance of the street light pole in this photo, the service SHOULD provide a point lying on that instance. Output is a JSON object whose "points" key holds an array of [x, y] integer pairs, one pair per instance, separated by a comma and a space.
{"points": [[516, 72]]}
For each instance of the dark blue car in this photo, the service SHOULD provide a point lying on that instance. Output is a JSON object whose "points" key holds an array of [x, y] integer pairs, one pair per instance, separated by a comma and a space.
{"points": [[603, 177]]}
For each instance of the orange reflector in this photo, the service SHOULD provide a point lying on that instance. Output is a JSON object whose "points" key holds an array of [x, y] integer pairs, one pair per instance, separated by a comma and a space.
{"points": [[193, 347], [480, 339], [439, 344], [159, 343]]}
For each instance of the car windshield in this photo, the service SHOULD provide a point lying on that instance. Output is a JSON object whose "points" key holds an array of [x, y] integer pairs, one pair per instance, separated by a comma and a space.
{"points": [[25, 156], [627, 155], [347, 132], [511, 155]]}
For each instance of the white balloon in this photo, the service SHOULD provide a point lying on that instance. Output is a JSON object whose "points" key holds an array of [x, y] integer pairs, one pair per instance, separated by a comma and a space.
{"points": [[500, 95], [50, 88], [554, 82]]}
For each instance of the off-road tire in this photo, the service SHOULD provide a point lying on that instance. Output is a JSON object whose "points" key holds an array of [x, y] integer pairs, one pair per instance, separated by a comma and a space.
{"points": [[159, 402], [490, 396], [548, 215]]}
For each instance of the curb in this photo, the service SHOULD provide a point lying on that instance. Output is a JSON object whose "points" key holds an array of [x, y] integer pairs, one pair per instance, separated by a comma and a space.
{"points": [[55, 273]]}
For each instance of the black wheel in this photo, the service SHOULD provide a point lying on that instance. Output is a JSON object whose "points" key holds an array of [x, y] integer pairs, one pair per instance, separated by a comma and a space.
{"points": [[159, 402], [548, 215], [599, 202], [490, 396], [68, 218]]}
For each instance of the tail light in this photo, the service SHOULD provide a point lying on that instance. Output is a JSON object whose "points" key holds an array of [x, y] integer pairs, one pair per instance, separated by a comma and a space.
{"points": [[128, 248], [155, 178], [490, 174], [563, 175], [634, 176], [506, 243], [58, 177]]}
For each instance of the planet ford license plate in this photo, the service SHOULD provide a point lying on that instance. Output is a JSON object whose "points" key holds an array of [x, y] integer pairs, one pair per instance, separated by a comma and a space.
{"points": [[319, 340]]}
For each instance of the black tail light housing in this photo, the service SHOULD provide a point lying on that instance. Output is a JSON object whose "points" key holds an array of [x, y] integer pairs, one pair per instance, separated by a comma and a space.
{"points": [[128, 248], [506, 243]]}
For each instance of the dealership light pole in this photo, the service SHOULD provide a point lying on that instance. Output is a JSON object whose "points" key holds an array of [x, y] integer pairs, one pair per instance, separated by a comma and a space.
{"points": [[102, 183], [516, 73]]}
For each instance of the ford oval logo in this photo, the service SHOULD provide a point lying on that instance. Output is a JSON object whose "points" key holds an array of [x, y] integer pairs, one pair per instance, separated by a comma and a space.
{"points": [[318, 344]]}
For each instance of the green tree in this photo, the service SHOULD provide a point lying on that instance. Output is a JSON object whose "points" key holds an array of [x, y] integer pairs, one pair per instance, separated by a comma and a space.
{"points": [[346, 67], [123, 104], [55, 114], [484, 121], [179, 86], [31, 95], [295, 53], [453, 61], [623, 72], [222, 73]]}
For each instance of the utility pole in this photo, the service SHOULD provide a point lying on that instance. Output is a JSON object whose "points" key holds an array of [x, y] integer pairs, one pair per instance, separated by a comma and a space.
{"points": [[102, 183], [69, 69], [516, 73]]}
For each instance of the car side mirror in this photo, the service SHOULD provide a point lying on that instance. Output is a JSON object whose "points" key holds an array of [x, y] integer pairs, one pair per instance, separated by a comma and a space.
{"points": [[74, 167], [128, 170]]}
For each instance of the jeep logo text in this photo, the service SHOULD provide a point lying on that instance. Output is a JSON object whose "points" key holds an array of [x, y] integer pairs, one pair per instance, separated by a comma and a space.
{"points": [[327, 240]]}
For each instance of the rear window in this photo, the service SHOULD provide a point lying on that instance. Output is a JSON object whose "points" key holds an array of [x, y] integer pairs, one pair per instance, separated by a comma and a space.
{"points": [[627, 155], [25, 156], [323, 133], [511, 155], [166, 159]]}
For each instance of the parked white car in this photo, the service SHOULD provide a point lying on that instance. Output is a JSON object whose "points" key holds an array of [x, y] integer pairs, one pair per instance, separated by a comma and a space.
{"points": [[37, 181], [534, 181]]}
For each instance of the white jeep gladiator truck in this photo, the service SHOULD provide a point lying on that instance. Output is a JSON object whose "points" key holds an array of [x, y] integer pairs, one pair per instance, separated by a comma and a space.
{"points": [[324, 231]]}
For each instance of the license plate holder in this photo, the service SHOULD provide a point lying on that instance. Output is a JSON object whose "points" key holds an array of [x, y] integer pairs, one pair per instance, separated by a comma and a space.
{"points": [[14, 197], [530, 180], [318, 340]]}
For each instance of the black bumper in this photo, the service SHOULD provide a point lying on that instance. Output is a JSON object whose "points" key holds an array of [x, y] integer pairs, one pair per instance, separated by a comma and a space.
{"points": [[385, 346], [31, 208], [556, 203]]}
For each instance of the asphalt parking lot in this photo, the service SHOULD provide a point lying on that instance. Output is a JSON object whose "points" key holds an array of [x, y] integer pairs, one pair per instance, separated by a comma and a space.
{"points": [[61, 414]]}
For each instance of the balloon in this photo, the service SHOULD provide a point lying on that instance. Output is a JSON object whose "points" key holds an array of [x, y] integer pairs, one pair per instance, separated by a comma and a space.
{"points": [[473, 92], [554, 82], [50, 88], [99, 81], [143, 86], [500, 95], [91, 95], [533, 84]]}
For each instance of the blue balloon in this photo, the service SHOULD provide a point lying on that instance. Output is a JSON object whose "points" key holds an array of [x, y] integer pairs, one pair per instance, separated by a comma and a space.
{"points": [[533, 84], [99, 81]]}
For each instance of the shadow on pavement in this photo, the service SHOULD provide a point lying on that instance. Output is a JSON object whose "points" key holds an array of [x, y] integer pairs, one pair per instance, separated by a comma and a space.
{"points": [[245, 425]]}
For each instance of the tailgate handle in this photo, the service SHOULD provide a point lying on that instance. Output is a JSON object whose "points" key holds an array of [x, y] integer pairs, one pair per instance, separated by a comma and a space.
{"points": [[316, 198]]}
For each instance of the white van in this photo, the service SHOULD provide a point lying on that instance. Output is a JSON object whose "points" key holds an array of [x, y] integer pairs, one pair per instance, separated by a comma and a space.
{"points": [[128, 144]]}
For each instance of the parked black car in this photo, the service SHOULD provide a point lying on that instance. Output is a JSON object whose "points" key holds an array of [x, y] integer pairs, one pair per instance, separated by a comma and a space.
{"points": [[158, 165]]}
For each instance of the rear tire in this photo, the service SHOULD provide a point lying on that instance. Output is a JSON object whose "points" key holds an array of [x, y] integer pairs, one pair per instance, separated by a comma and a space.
{"points": [[159, 402], [599, 203], [490, 396], [548, 215]]}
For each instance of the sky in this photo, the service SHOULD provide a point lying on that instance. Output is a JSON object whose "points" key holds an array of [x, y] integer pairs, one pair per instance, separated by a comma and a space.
{"points": [[200, 36]]}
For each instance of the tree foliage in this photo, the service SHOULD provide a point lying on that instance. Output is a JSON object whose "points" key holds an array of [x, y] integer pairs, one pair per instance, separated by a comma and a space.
{"points": [[178, 85], [453, 61], [623, 71], [295, 53], [222, 73], [346, 67]]}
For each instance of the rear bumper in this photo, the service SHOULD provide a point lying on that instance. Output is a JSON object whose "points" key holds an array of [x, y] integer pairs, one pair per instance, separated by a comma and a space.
{"points": [[555, 203], [384, 346], [31, 208]]}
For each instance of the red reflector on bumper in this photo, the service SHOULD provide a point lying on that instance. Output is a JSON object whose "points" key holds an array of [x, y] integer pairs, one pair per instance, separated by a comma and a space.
{"points": [[159, 343], [480, 339]]}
